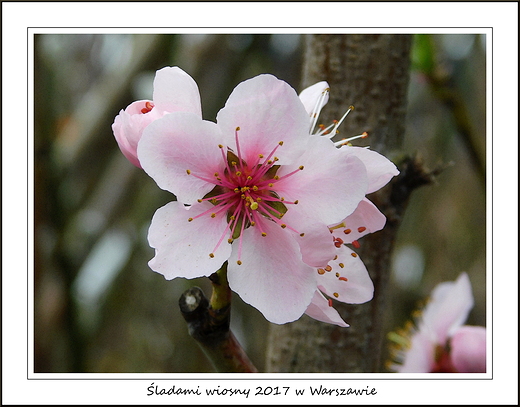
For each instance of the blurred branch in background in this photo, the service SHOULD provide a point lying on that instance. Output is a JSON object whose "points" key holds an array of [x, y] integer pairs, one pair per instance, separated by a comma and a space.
{"points": [[441, 78], [98, 307]]}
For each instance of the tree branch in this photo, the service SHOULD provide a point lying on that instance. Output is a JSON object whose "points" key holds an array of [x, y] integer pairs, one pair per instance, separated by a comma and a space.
{"points": [[208, 323]]}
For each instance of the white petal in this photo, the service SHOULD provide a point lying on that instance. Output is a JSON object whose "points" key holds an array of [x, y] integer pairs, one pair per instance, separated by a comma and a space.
{"points": [[329, 187], [179, 142], [182, 248], [267, 111], [272, 277], [176, 91], [448, 308], [365, 219], [320, 310], [315, 97], [380, 169]]}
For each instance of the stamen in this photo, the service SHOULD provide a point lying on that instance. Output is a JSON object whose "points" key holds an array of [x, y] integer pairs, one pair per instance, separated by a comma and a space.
{"points": [[343, 278], [346, 141], [317, 108], [148, 107]]}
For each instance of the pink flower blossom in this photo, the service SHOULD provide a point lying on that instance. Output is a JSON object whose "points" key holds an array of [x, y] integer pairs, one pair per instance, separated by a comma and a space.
{"points": [[174, 90], [441, 343], [347, 266], [255, 189]]}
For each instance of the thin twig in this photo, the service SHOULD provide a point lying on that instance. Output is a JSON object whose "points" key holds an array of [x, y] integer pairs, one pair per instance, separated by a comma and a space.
{"points": [[208, 324]]}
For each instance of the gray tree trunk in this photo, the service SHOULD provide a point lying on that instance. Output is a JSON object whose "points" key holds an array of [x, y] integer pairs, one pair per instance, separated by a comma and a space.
{"points": [[370, 72]]}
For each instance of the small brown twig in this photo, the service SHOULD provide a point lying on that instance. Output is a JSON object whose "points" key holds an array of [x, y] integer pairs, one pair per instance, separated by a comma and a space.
{"points": [[208, 324]]}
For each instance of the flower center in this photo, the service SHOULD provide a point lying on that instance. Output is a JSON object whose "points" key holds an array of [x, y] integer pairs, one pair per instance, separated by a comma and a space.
{"points": [[246, 192]]}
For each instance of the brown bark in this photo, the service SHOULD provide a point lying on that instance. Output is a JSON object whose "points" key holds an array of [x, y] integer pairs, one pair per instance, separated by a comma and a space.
{"points": [[370, 72]]}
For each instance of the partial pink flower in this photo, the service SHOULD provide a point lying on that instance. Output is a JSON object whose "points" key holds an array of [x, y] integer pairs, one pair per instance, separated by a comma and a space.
{"points": [[257, 190], [440, 343], [174, 91], [346, 279]]}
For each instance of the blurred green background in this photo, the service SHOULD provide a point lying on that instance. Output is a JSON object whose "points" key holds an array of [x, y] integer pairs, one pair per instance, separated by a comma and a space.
{"points": [[97, 305]]}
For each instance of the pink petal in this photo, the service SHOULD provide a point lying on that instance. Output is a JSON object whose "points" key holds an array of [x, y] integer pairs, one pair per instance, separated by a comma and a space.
{"points": [[128, 128], [468, 349], [179, 142], [320, 310], [182, 248], [311, 95], [448, 308], [272, 277], [365, 219], [267, 111], [317, 245], [347, 279], [329, 187], [420, 357], [176, 91], [380, 169]]}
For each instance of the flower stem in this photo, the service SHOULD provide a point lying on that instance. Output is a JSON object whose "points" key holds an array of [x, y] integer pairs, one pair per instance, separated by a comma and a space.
{"points": [[208, 324]]}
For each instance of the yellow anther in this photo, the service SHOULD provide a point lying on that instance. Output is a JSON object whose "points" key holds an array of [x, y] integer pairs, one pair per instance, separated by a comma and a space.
{"points": [[239, 262], [211, 255], [188, 172], [283, 225], [264, 234], [280, 143], [336, 295], [238, 129], [213, 215], [342, 265], [190, 219], [301, 167], [254, 206]]}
